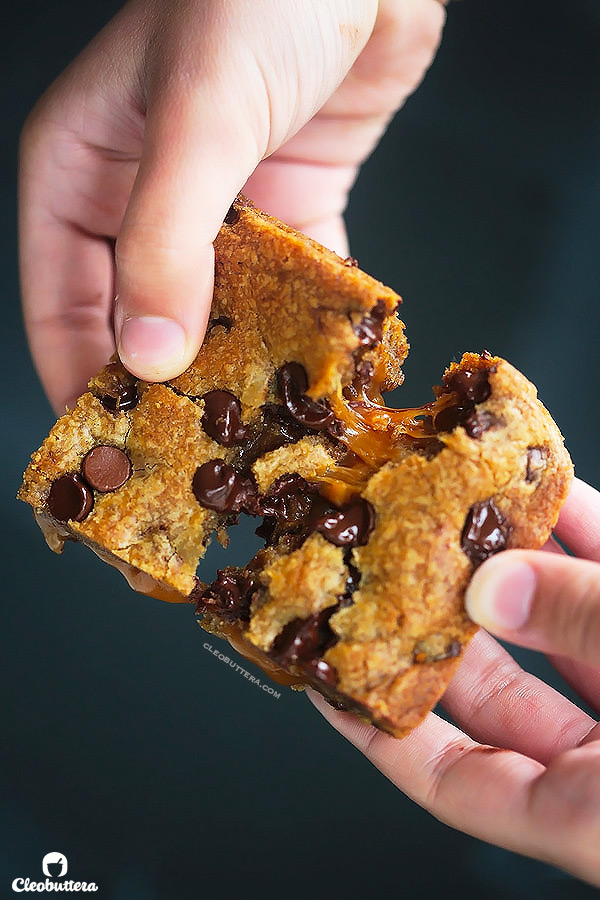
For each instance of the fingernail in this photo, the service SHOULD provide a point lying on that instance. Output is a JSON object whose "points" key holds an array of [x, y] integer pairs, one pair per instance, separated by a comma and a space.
{"points": [[500, 594], [153, 347]]}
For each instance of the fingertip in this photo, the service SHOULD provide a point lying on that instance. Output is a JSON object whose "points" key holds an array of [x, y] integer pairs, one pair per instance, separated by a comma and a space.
{"points": [[500, 594], [154, 348]]}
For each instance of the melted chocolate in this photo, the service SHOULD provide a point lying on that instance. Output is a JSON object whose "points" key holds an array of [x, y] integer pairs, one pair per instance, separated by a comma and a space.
{"points": [[479, 421], [290, 507], [353, 580], [321, 671], [369, 330], [302, 640], [222, 418], [70, 498], [232, 215], [472, 385], [293, 384], [289, 499], [229, 595], [450, 417], [274, 430], [536, 463], [349, 526], [216, 485], [485, 532], [122, 395]]}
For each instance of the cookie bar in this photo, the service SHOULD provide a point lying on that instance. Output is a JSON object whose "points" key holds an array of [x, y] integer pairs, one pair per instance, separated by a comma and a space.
{"points": [[373, 518]]}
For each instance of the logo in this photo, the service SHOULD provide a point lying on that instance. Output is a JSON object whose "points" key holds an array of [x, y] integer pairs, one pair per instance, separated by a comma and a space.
{"points": [[54, 867]]}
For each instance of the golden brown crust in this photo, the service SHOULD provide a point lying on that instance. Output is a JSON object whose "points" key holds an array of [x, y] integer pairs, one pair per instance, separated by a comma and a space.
{"points": [[414, 569], [382, 616]]}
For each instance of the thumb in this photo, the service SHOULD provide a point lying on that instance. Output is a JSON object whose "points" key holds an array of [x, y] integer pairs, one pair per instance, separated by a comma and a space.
{"points": [[227, 85], [194, 163], [545, 601]]}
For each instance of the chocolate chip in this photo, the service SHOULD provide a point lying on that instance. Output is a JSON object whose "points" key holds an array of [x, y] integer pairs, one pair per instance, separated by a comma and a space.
{"points": [[232, 216], [290, 506], [70, 498], [479, 421], [342, 705], [303, 639], [106, 468], [536, 463], [349, 526], [222, 418], [321, 671], [216, 485], [472, 385], [293, 384], [421, 655], [289, 498], [122, 394], [450, 417], [351, 261], [453, 650], [485, 532], [369, 330], [353, 580], [362, 379], [229, 595], [126, 399]]}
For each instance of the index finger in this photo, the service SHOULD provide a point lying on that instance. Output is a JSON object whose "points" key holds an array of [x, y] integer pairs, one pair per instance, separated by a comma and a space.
{"points": [[497, 795], [578, 524]]}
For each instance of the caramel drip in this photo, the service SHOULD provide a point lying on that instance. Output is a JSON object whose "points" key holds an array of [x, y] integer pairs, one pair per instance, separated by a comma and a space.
{"points": [[233, 633], [374, 432], [145, 584], [141, 582], [340, 483]]}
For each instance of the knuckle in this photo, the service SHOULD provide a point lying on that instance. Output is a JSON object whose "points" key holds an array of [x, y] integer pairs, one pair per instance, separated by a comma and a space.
{"points": [[571, 784], [568, 795], [497, 680]]}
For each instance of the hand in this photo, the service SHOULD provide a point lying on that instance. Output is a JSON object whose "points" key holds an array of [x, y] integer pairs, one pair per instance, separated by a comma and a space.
{"points": [[524, 771], [151, 132]]}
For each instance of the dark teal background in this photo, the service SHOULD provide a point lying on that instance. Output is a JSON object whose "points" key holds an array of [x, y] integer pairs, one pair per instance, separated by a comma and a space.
{"points": [[160, 773]]}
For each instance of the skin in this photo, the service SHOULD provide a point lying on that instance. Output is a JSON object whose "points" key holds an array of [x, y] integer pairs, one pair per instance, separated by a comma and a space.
{"points": [[521, 767], [129, 163], [151, 132]]}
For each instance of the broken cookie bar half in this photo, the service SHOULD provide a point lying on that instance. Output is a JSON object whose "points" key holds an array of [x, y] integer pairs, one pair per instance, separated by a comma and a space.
{"points": [[373, 518]]}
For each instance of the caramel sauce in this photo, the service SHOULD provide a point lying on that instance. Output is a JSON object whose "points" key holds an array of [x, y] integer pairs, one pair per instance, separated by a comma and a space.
{"points": [[233, 633], [145, 584], [55, 535], [374, 432], [141, 582]]}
